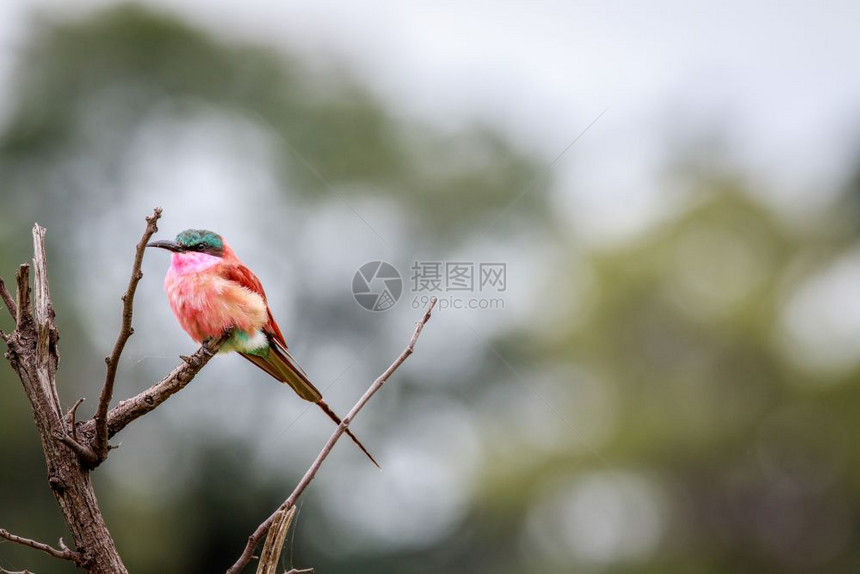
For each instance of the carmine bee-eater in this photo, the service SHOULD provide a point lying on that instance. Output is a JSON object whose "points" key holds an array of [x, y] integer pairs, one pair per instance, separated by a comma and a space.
{"points": [[213, 294]]}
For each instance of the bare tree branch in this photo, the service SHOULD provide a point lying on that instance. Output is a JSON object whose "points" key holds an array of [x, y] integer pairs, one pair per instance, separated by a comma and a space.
{"points": [[47, 355], [271, 554], [33, 354], [263, 528], [64, 553], [8, 300], [22, 278], [129, 410], [100, 441]]}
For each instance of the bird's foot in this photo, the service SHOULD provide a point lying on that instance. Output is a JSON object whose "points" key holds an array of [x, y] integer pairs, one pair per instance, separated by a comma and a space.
{"points": [[211, 342]]}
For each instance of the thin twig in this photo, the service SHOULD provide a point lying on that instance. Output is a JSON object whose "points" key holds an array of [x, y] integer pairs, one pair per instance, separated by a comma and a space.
{"points": [[4, 571], [8, 300], [70, 417], [65, 554], [263, 528], [100, 441]]}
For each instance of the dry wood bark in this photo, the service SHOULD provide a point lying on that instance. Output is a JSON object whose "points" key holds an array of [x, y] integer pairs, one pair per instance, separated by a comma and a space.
{"points": [[72, 450], [32, 352]]}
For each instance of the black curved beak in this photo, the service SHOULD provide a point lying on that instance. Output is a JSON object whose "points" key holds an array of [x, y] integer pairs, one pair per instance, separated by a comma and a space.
{"points": [[165, 244]]}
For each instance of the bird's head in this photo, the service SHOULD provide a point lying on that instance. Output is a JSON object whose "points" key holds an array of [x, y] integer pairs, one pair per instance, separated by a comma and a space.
{"points": [[193, 241]]}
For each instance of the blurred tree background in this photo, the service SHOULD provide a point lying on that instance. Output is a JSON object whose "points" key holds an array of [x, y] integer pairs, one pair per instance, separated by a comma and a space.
{"points": [[684, 401]]}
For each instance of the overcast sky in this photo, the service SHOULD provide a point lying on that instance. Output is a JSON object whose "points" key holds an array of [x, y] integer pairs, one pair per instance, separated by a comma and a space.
{"points": [[779, 80]]}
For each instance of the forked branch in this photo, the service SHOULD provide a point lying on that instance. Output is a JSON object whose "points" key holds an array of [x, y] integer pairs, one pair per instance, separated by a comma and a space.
{"points": [[63, 553], [33, 353]]}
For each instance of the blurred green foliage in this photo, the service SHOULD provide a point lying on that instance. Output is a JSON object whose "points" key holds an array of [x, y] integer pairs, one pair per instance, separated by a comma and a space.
{"points": [[648, 418]]}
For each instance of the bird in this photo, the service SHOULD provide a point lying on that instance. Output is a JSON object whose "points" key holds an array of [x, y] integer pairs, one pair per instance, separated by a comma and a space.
{"points": [[214, 295]]}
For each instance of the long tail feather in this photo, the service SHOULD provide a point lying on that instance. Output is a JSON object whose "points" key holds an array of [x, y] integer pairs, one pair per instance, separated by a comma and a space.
{"points": [[333, 416], [281, 365]]}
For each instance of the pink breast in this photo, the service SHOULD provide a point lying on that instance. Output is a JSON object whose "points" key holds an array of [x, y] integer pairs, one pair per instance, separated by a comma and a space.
{"points": [[207, 305]]}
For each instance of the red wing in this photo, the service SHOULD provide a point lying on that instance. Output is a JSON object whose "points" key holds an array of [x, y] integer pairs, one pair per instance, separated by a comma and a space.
{"points": [[246, 278], [272, 329]]}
